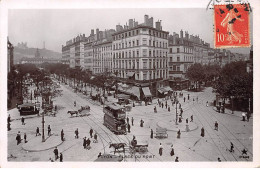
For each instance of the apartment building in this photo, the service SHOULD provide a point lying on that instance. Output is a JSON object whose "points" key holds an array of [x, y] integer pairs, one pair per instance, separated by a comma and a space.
{"points": [[185, 50], [140, 52]]}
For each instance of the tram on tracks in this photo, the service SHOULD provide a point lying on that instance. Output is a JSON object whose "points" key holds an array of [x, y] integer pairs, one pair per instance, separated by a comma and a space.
{"points": [[114, 118]]}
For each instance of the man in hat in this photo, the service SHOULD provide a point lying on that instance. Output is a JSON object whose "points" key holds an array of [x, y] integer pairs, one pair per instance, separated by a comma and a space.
{"points": [[77, 133], [23, 123], [56, 153], [91, 132], [160, 149], [202, 132], [216, 126]]}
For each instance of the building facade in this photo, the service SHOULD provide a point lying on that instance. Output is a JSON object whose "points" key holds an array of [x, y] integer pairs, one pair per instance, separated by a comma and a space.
{"points": [[102, 57], [185, 50], [73, 51], [140, 54]]}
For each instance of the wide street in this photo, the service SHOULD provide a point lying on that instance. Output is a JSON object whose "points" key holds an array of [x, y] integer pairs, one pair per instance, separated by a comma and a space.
{"points": [[190, 147]]}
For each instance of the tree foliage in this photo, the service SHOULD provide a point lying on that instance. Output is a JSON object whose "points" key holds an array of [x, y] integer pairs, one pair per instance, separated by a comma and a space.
{"points": [[235, 81]]}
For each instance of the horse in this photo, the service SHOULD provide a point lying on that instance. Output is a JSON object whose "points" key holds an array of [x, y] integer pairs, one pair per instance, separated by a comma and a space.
{"points": [[72, 112], [117, 146]]}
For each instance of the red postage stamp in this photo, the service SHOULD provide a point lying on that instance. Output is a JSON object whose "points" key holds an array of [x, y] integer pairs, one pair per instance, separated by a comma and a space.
{"points": [[231, 25]]}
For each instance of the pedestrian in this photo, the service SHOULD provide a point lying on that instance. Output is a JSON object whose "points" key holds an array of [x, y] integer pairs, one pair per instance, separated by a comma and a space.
{"points": [[25, 137], [91, 132], [132, 121], [95, 138], [141, 123], [193, 100], [197, 98], [9, 118], [243, 116], [151, 134], [62, 135], [75, 104], [219, 160], [160, 149], [23, 123], [154, 109], [84, 142], [77, 133], [128, 127], [179, 105], [162, 105], [216, 125], [231, 147], [88, 143], [56, 153], [37, 131], [177, 159], [187, 121], [202, 132], [127, 120], [188, 96], [184, 99], [61, 157], [166, 104], [207, 103], [179, 134], [180, 120], [172, 151], [169, 109], [99, 155], [191, 118], [49, 130], [181, 112], [248, 116], [18, 138]]}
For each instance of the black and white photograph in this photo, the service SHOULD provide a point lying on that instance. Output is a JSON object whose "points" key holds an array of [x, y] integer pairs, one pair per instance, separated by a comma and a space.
{"points": [[130, 84]]}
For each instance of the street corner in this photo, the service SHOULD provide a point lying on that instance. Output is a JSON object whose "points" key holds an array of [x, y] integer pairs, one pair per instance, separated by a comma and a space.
{"points": [[172, 126], [36, 144]]}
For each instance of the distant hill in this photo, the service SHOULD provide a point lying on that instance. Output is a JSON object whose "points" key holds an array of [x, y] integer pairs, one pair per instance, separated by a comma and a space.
{"points": [[19, 53]]}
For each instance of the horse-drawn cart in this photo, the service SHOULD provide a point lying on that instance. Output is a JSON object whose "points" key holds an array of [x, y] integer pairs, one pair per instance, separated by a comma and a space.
{"points": [[140, 148]]}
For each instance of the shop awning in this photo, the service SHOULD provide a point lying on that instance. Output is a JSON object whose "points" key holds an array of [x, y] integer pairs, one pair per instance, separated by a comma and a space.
{"points": [[135, 91], [130, 74], [147, 92], [167, 88]]}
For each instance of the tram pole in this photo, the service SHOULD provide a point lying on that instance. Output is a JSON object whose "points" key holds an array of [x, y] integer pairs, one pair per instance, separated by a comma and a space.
{"points": [[176, 120]]}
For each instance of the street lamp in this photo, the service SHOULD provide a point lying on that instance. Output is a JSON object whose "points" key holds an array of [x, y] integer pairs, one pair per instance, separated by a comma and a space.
{"points": [[176, 121]]}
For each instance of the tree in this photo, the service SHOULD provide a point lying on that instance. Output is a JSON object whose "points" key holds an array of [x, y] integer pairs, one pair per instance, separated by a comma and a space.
{"points": [[211, 72], [196, 74], [234, 82]]}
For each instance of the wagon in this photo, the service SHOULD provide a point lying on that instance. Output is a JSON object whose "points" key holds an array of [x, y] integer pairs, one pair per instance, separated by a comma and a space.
{"points": [[140, 148], [161, 133]]}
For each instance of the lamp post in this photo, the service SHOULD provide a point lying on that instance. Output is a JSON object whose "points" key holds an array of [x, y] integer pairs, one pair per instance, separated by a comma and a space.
{"points": [[176, 121]]}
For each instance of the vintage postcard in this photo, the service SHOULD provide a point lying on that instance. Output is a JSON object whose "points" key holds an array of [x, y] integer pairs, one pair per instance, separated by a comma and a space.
{"points": [[160, 84]]}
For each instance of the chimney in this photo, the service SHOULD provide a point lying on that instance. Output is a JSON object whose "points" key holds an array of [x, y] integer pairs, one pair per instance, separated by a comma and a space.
{"points": [[150, 22], [158, 25], [186, 35], [131, 23], [146, 19], [92, 32], [181, 34], [97, 33]]}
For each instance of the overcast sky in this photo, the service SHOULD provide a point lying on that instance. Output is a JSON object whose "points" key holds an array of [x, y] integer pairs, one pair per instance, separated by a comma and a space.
{"points": [[56, 26]]}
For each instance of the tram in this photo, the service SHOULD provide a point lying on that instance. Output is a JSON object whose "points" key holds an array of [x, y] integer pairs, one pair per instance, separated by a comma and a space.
{"points": [[114, 118], [28, 109]]}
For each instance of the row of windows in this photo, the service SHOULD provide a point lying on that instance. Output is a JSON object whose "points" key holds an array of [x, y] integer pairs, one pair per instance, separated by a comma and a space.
{"points": [[132, 64], [129, 54], [135, 43], [136, 32], [146, 75]]}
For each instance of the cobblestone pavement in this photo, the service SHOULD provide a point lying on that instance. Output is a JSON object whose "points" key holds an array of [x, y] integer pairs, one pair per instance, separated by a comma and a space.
{"points": [[190, 147]]}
